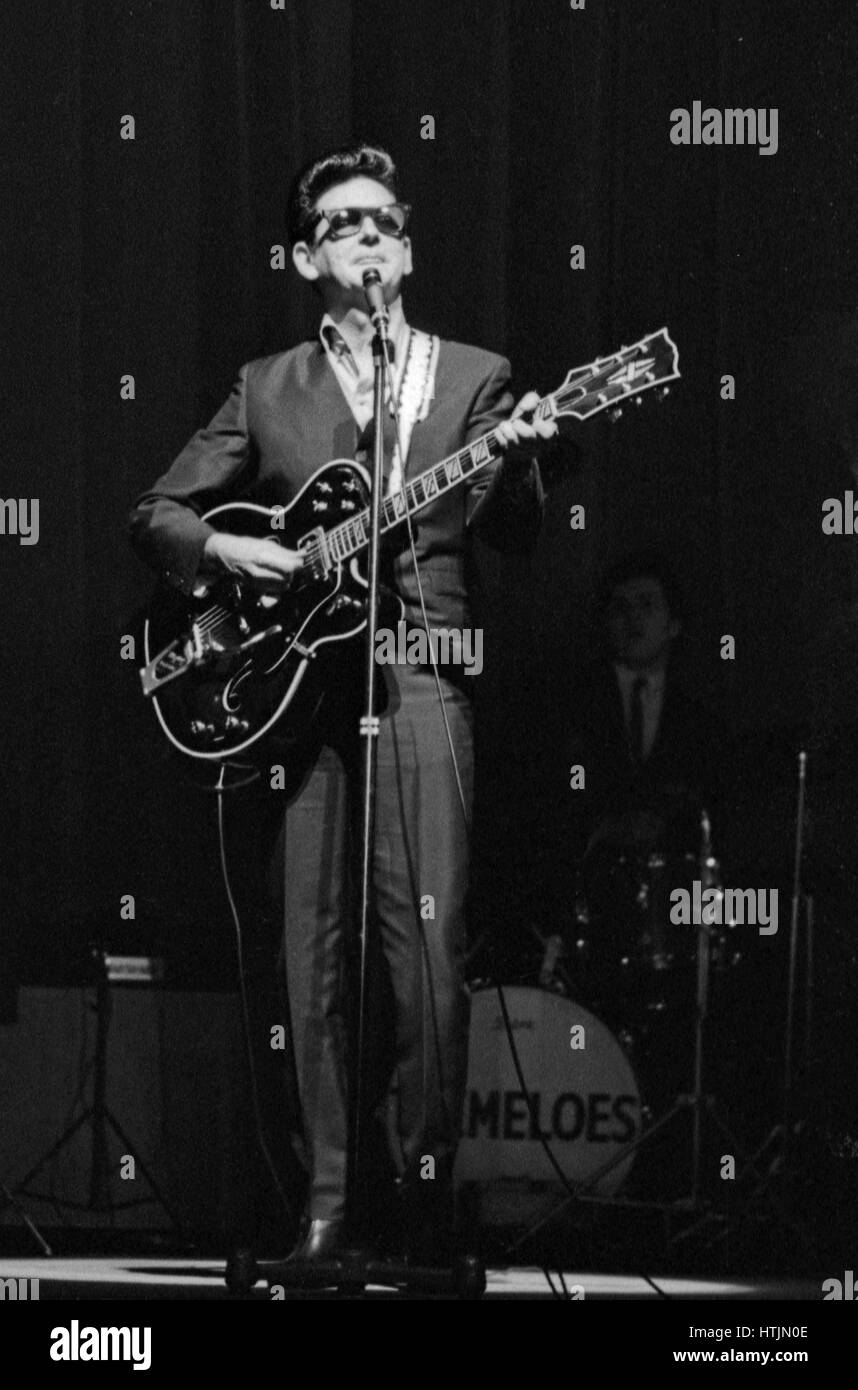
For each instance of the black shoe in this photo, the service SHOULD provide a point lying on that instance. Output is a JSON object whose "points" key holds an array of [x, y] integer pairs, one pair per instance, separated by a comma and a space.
{"points": [[323, 1241]]}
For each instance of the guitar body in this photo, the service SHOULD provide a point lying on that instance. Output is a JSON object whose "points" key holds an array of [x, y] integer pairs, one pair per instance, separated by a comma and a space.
{"points": [[234, 664], [228, 668]]}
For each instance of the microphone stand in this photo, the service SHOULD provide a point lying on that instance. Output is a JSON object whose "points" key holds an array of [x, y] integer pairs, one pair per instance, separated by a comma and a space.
{"points": [[356, 1268], [369, 730]]}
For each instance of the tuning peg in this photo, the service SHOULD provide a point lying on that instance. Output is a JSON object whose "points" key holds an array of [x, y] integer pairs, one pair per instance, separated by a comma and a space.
{"points": [[665, 391], [638, 400], [615, 413]]}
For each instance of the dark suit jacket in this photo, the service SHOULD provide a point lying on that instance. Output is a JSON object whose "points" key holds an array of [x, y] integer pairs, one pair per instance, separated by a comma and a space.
{"points": [[681, 773], [286, 416], [688, 768]]}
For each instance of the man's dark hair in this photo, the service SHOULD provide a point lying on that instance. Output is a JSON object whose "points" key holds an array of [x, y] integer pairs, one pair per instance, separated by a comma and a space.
{"points": [[356, 161], [643, 564]]}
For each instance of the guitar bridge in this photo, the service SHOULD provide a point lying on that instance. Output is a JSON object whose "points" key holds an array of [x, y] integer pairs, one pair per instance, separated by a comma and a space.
{"points": [[167, 665], [178, 657]]}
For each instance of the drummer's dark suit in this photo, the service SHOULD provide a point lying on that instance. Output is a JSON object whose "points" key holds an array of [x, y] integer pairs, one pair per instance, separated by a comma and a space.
{"points": [[286, 417], [626, 804]]}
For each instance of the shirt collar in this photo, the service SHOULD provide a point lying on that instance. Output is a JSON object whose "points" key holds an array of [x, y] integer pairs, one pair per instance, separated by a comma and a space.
{"points": [[333, 341]]}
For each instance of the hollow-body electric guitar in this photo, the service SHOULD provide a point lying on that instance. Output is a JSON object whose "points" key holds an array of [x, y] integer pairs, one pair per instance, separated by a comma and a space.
{"points": [[232, 664]]}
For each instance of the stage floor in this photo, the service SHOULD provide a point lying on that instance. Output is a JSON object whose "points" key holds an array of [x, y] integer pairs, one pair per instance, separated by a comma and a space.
{"points": [[117, 1277]]}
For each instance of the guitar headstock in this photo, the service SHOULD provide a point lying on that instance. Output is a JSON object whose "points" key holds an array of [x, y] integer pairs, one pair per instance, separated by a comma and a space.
{"points": [[609, 381]]}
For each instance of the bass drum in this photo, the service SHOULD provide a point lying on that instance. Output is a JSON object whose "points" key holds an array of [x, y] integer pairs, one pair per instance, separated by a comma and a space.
{"points": [[584, 1096]]}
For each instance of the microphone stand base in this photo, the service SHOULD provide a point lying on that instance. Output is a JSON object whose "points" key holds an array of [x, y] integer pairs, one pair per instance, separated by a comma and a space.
{"points": [[353, 1272]]}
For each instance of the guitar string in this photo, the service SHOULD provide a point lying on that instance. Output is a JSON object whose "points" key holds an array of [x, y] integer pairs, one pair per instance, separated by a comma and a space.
{"points": [[440, 473], [214, 617], [348, 532]]}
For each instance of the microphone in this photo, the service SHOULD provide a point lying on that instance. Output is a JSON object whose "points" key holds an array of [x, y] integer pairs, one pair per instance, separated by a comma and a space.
{"points": [[378, 310]]}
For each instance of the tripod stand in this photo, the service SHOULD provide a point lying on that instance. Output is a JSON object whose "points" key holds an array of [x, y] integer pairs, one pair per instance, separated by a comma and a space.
{"points": [[8, 1197], [100, 1120], [12, 1201]]}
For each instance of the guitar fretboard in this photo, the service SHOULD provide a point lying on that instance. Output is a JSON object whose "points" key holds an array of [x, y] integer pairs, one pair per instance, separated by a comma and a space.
{"points": [[607, 382], [349, 537]]}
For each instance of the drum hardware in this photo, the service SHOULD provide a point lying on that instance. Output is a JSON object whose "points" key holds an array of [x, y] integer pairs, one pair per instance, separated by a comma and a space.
{"points": [[581, 909], [553, 974], [624, 952], [701, 1106]]}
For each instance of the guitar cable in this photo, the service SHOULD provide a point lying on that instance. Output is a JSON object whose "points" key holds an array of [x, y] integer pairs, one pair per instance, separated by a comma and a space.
{"points": [[534, 1118], [245, 1007]]}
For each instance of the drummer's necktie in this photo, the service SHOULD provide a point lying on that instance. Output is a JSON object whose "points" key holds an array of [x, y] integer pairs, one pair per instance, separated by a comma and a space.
{"points": [[636, 720]]}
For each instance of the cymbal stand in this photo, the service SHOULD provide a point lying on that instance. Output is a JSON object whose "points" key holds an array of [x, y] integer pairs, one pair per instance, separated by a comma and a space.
{"points": [[781, 1137]]}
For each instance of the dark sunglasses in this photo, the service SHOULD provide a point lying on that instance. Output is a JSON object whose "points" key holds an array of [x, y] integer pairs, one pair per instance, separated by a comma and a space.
{"points": [[390, 220]]}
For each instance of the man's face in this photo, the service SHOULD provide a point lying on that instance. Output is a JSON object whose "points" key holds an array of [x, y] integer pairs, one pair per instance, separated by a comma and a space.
{"points": [[640, 628], [338, 265]]}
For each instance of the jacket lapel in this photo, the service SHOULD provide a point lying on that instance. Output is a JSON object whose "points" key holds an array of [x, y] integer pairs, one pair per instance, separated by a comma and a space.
{"points": [[326, 401]]}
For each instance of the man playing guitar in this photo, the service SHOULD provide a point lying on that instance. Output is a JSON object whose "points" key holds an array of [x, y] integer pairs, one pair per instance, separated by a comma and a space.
{"points": [[286, 416]]}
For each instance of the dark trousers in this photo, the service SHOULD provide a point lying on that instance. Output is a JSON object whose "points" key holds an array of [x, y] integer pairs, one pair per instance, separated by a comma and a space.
{"points": [[420, 881]]}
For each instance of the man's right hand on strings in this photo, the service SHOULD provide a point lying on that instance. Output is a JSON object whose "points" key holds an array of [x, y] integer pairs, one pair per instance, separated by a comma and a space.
{"points": [[265, 561]]}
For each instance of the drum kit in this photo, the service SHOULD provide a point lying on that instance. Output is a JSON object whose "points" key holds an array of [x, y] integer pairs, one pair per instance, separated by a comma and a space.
{"points": [[595, 1067]]}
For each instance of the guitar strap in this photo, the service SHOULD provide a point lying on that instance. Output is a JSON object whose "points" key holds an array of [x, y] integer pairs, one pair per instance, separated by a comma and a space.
{"points": [[416, 394]]}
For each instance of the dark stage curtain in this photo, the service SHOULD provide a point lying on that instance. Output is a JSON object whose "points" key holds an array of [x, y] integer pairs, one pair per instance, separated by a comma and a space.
{"points": [[151, 257]]}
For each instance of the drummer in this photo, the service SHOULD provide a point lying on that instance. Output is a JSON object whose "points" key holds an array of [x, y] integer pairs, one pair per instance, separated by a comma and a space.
{"points": [[643, 754]]}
